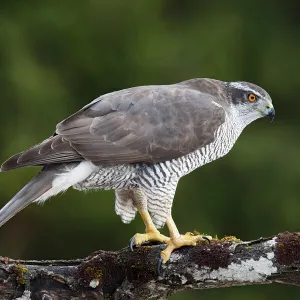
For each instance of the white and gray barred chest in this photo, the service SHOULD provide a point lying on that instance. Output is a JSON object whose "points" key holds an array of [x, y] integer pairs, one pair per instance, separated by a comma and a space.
{"points": [[225, 137], [161, 174]]}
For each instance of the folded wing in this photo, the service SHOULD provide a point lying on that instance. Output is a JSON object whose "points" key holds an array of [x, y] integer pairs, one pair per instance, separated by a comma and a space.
{"points": [[143, 124]]}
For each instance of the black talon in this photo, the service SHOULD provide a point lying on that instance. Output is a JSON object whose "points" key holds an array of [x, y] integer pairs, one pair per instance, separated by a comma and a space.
{"points": [[206, 238], [131, 243], [159, 266]]}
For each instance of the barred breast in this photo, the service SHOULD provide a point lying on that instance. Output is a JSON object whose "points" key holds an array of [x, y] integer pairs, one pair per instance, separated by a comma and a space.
{"points": [[159, 181]]}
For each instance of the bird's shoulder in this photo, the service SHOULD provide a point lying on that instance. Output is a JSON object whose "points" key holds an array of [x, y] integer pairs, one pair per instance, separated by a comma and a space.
{"points": [[143, 124], [158, 100]]}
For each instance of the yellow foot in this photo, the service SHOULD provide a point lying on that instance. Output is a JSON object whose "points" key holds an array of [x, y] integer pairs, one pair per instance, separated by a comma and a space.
{"points": [[151, 235], [189, 239]]}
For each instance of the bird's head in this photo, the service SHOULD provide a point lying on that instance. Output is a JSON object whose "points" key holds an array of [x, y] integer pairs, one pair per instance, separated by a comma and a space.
{"points": [[250, 101]]}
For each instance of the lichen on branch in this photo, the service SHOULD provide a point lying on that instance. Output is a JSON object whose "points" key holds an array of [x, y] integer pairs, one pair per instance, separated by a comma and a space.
{"points": [[132, 275]]}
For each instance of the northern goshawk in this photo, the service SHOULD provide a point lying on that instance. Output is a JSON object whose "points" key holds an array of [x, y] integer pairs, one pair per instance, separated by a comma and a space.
{"points": [[140, 141]]}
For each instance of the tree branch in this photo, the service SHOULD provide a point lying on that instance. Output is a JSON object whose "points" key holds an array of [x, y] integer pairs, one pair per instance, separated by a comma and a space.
{"points": [[132, 275]]}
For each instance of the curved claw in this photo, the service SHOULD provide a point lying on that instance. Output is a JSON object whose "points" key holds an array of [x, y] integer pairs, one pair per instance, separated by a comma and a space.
{"points": [[159, 266], [131, 243], [206, 238]]}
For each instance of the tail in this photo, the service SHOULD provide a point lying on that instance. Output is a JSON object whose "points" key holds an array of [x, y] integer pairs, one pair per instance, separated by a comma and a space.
{"points": [[29, 193], [50, 181]]}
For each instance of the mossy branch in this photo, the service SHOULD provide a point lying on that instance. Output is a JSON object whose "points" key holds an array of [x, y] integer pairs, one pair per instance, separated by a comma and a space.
{"points": [[132, 275]]}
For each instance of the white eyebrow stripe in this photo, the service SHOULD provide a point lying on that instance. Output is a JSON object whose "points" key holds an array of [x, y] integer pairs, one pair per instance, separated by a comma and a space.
{"points": [[243, 87]]}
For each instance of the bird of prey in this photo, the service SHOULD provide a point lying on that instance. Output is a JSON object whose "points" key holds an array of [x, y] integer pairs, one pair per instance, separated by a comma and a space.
{"points": [[140, 141]]}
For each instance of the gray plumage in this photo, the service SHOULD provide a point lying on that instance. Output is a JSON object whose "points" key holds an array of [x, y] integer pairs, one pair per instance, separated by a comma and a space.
{"points": [[34, 189], [143, 138]]}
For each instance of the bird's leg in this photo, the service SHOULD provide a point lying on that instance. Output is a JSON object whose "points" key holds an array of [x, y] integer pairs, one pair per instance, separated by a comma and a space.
{"points": [[177, 240], [151, 233]]}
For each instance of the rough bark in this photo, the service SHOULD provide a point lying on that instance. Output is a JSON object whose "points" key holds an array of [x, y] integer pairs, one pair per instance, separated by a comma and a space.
{"points": [[132, 275]]}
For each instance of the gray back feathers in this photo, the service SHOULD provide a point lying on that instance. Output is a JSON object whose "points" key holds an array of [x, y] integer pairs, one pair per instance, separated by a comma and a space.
{"points": [[143, 124]]}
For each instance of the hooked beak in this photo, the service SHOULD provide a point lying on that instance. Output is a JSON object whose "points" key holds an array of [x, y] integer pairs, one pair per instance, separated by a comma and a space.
{"points": [[270, 113]]}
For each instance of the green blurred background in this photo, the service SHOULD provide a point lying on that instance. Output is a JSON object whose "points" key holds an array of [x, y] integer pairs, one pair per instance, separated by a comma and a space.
{"points": [[56, 56]]}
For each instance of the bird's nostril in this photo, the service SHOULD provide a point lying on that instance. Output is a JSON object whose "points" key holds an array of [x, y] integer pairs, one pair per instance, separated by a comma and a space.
{"points": [[267, 107]]}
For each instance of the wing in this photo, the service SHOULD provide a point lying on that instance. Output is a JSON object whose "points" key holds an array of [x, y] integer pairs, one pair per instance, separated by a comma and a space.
{"points": [[143, 124], [53, 150]]}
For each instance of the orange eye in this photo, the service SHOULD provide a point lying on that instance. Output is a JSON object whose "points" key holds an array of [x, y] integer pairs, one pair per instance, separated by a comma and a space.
{"points": [[252, 97]]}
